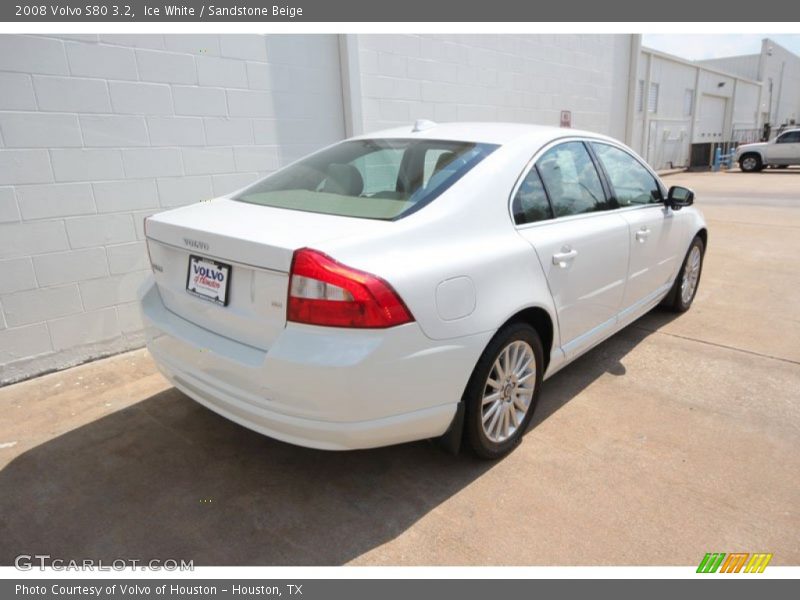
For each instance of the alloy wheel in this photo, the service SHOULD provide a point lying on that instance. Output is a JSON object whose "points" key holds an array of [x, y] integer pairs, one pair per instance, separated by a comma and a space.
{"points": [[508, 391], [691, 273], [749, 164]]}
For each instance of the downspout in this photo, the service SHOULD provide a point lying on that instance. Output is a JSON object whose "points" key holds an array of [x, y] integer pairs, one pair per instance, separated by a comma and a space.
{"points": [[646, 109], [780, 93], [350, 69], [695, 111], [633, 72]]}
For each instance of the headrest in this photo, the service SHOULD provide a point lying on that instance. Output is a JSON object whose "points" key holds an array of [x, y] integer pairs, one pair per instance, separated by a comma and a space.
{"points": [[344, 180], [445, 158]]}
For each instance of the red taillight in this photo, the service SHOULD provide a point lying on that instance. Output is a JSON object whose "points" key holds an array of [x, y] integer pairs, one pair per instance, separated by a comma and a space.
{"points": [[325, 292]]}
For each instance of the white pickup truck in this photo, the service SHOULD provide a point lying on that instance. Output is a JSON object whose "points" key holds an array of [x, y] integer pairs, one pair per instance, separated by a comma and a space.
{"points": [[781, 152]]}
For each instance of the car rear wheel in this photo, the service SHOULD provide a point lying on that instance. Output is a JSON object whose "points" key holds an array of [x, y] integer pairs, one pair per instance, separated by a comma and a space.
{"points": [[503, 390], [684, 289], [750, 163]]}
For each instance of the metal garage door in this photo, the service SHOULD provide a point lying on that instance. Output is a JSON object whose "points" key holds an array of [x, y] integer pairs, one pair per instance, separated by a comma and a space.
{"points": [[711, 122]]}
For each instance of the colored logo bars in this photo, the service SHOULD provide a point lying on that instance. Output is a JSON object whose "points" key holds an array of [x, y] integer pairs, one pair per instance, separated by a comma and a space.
{"points": [[734, 563]]}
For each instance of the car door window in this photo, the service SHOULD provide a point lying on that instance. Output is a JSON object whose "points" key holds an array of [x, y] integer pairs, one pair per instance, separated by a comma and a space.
{"points": [[571, 180], [530, 202], [793, 137], [631, 182]]}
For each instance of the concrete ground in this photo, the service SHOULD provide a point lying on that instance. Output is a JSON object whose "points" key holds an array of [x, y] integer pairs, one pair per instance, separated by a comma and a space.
{"points": [[677, 437]]}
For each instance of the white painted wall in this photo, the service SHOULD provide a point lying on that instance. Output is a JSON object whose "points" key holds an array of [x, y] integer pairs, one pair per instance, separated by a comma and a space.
{"points": [[775, 66], [746, 65], [668, 127], [746, 105], [517, 78], [783, 69], [96, 132], [721, 102]]}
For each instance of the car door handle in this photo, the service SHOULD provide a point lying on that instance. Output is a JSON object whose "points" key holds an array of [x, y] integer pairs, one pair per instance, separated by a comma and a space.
{"points": [[561, 259], [642, 234]]}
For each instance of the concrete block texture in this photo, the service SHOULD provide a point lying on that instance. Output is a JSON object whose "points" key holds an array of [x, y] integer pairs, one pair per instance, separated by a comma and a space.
{"points": [[107, 62], [176, 131], [39, 130], [86, 328], [99, 131], [35, 306], [16, 274], [113, 131], [166, 67], [9, 211], [100, 230], [72, 94], [517, 78], [17, 92], [32, 54], [56, 200], [75, 265]]}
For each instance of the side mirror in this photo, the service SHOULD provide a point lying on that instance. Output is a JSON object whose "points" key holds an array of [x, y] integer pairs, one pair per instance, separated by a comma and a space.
{"points": [[679, 196]]}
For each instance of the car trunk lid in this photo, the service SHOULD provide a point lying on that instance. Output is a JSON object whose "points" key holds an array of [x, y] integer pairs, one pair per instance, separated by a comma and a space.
{"points": [[257, 242]]}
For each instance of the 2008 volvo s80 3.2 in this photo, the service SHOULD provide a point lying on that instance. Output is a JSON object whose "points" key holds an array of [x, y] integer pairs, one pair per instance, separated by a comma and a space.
{"points": [[416, 283]]}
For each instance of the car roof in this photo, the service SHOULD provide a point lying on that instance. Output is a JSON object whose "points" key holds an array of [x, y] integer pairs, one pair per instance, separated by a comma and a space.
{"points": [[486, 133]]}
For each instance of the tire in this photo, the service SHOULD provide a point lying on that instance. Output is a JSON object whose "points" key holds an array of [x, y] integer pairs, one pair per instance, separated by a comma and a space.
{"points": [[751, 163], [498, 437], [679, 299]]}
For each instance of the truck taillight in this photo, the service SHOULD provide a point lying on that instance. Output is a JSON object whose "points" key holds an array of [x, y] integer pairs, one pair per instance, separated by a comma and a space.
{"points": [[323, 291]]}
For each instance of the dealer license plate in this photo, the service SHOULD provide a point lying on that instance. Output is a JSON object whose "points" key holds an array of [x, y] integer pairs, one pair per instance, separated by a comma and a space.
{"points": [[209, 279]]}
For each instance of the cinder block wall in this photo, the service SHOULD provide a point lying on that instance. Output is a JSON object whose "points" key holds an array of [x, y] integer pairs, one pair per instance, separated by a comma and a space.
{"points": [[97, 132], [516, 78]]}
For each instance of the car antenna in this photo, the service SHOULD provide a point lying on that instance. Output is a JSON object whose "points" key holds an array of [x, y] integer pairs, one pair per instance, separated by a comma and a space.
{"points": [[422, 125]]}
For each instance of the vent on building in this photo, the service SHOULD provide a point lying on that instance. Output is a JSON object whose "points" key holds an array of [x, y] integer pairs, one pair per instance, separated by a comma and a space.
{"points": [[640, 96], [652, 98], [688, 103]]}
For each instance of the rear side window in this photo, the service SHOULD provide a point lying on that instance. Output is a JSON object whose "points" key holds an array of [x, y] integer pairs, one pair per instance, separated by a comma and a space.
{"points": [[793, 137], [571, 180], [632, 183], [374, 179], [530, 202], [436, 159]]}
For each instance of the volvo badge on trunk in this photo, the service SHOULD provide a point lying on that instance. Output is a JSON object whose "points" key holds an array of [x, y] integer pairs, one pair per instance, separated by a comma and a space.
{"points": [[195, 244]]}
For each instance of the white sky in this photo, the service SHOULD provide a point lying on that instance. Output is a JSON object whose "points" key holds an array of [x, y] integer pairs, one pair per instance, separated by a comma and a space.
{"points": [[698, 47]]}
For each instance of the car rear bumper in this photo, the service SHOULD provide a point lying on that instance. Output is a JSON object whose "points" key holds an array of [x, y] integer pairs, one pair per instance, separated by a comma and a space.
{"points": [[320, 387]]}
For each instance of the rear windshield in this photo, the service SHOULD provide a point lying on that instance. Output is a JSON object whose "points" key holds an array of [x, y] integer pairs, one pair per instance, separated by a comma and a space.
{"points": [[371, 179]]}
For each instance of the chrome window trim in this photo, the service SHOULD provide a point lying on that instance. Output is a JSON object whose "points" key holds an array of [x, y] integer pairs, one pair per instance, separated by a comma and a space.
{"points": [[538, 154]]}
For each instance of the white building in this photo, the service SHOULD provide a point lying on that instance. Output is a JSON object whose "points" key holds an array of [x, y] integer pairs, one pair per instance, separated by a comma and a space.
{"points": [[98, 131], [779, 70], [682, 108]]}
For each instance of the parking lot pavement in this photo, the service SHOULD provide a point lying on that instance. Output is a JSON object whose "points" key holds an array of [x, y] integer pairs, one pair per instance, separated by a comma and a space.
{"points": [[676, 437]]}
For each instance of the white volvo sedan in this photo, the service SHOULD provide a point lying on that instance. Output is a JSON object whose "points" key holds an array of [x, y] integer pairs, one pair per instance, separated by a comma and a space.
{"points": [[415, 283]]}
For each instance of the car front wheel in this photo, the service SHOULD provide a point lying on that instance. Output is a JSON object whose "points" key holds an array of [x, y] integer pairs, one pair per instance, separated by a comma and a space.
{"points": [[750, 163], [684, 289], [502, 391]]}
